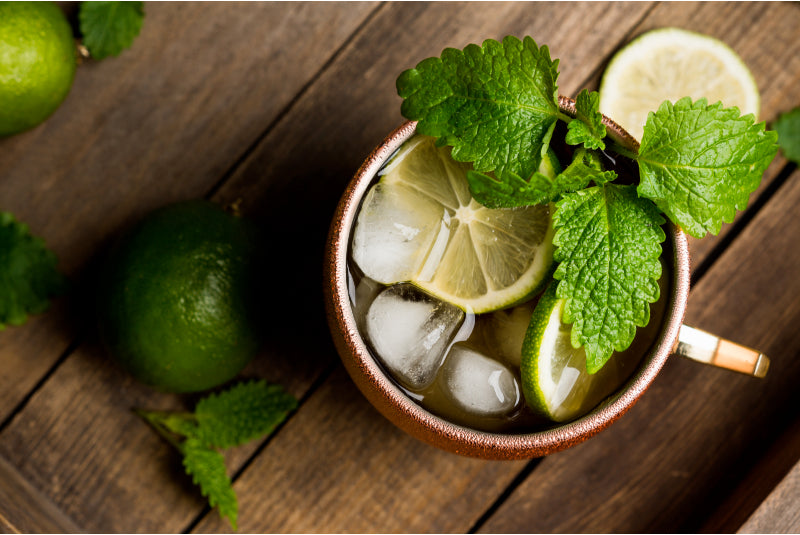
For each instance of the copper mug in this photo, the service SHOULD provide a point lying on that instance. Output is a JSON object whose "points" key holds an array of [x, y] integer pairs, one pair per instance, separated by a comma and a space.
{"points": [[673, 338]]}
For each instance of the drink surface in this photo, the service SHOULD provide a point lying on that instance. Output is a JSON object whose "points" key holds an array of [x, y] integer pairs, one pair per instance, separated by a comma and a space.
{"points": [[459, 365]]}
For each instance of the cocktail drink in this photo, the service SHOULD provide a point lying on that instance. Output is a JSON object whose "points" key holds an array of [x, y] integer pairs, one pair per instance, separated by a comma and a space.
{"points": [[443, 290], [505, 260]]}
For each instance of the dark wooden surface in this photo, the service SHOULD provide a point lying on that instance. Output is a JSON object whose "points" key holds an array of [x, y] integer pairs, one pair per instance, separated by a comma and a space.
{"points": [[276, 105]]}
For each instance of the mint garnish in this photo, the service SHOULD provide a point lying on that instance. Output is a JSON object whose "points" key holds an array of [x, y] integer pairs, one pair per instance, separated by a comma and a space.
{"points": [[243, 413], [108, 28], [587, 128], [608, 242], [496, 105], [788, 128], [699, 163], [28, 274]]}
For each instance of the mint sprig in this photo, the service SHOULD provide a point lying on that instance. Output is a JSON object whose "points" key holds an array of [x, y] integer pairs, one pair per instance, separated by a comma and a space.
{"points": [[587, 127], [496, 105], [231, 418], [699, 163], [108, 28], [608, 242], [28, 274]]}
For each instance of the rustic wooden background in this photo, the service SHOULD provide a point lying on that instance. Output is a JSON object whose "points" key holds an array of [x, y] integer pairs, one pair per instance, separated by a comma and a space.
{"points": [[276, 104]]}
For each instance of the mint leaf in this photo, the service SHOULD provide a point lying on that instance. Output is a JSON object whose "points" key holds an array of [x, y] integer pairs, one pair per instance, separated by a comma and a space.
{"points": [[243, 413], [788, 128], [495, 104], [240, 414], [207, 468], [587, 127], [699, 163], [607, 245], [28, 274], [585, 168], [511, 191], [108, 28]]}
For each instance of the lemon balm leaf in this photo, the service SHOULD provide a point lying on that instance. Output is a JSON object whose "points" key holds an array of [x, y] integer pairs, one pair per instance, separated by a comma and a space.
{"points": [[495, 104], [699, 163], [608, 243], [788, 128], [108, 28], [242, 413], [28, 274], [207, 469], [510, 191], [587, 127]]}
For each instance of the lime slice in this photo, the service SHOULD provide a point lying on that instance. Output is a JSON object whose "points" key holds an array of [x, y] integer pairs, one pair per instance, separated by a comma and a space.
{"points": [[554, 377], [669, 64], [420, 224]]}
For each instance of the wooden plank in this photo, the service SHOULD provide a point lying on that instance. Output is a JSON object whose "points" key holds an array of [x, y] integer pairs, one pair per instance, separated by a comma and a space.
{"points": [[779, 512], [771, 465], [24, 510], [162, 122], [323, 138], [305, 482], [655, 469]]}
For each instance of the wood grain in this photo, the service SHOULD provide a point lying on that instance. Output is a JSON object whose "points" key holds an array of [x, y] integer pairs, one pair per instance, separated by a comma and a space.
{"points": [[24, 510], [779, 512], [770, 465], [322, 137], [162, 122], [187, 107]]}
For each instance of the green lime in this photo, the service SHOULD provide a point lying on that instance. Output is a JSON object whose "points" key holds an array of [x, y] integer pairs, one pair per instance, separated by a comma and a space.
{"points": [[37, 63], [420, 224], [554, 377], [177, 297]]}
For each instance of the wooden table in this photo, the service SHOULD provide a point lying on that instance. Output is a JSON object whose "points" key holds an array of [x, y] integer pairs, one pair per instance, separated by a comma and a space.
{"points": [[276, 104]]}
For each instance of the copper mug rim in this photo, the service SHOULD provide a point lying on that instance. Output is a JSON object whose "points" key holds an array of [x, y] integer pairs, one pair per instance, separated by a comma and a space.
{"points": [[404, 412]]}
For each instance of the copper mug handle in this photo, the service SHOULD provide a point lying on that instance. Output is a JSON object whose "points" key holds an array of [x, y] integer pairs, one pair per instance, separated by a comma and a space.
{"points": [[711, 349]]}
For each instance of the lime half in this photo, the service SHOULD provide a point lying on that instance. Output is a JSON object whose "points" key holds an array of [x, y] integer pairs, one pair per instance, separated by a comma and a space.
{"points": [[420, 224], [669, 64]]}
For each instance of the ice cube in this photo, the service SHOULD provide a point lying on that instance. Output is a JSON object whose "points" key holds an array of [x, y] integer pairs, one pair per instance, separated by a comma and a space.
{"points": [[410, 333], [478, 384], [395, 231]]}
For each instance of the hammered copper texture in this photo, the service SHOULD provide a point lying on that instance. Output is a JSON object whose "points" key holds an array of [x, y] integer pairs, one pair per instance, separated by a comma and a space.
{"points": [[412, 418]]}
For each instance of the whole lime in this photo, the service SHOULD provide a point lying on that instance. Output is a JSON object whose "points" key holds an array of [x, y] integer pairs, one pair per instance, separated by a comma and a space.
{"points": [[37, 63], [177, 297]]}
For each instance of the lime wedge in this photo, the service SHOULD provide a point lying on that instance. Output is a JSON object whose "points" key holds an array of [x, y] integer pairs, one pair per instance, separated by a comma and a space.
{"points": [[420, 224], [554, 377], [669, 64]]}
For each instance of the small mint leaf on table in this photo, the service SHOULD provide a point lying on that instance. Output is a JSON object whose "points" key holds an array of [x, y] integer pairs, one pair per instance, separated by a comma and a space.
{"points": [[699, 163], [608, 243], [242, 413], [587, 127], [495, 104], [108, 28], [28, 274], [207, 468], [788, 128]]}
